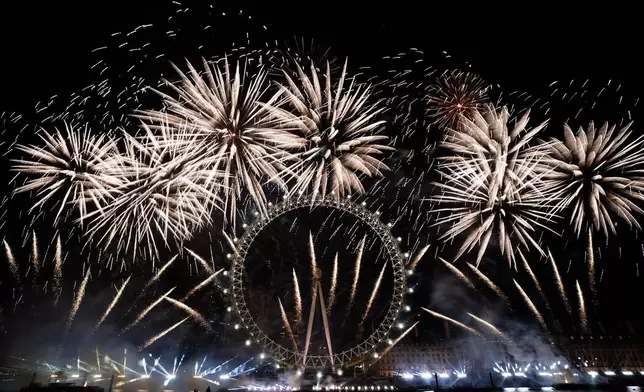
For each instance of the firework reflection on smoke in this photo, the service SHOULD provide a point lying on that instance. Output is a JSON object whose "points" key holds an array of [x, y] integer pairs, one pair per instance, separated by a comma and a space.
{"points": [[287, 325], [458, 274], [161, 334], [531, 306], [298, 298], [112, 304], [200, 259], [78, 298], [497, 290], [583, 317], [13, 267], [190, 311], [148, 309], [560, 285], [201, 285], [356, 271], [376, 286], [457, 323], [414, 262], [334, 284]]}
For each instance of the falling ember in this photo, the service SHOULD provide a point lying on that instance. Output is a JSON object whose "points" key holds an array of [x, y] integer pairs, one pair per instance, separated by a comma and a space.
{"points": [[148, 309], [530, 304], [591, 265], [158, 274], [161, 334], [497, 290], [114, 301], [287, 325], [201, 285], [374, 292], [534, 279], [356, 273], [193, 313], [583, 317], [334, 283], [457, 323], [298, 298], [203, 262], [458, 274], [34, 253], [414, 262], [78, 298], [58, 266], [13, 267], [562, 290], [491, 327], [314, 265]]}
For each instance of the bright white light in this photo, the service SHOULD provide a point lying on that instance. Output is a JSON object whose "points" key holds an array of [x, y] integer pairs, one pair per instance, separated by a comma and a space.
{"points": [[299, 372], [375, 355], [545, 374], [224, 377], [145, 376], [609, 373], [319, 375], [228, 309], [407, 308], [236, 326], [400, 325], [461, 375], [407, 376], [443, 375], [520, 374], [523, 389], [411, 290], [390, 342], [262, 356], [277, 366], [506, 374], [547, 388], [410, 272], [627, 373], [248, 342], [426, 375], [225, 273], [98, 376], [170, 377], [340, 372]]}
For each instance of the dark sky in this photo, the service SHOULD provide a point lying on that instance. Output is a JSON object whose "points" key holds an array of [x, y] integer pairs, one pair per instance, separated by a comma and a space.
{"points": [[44, 44]]}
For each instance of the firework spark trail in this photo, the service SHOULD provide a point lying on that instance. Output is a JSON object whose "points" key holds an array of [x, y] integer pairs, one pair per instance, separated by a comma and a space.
{"points": [[583, 317], [376, 286], [560, 285], [414, 262], [314, 264], [78, 298], [13, 267], [530, 304], [398, 339], [158, 274], [201, 285], [161, 334], [491, 327], [534, 280], [298, 298], [58, 269], [230, 243], [148, 309], [457, 323], [112, 304], [334, 284], [458, 274], [203, 262], [356, 274], [287, 325], [497, 290], [193, 313], [591, 265], [34, 253]]}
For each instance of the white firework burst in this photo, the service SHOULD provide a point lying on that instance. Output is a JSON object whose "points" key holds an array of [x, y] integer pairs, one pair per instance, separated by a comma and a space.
{"points": [[339, 130], [598, 174], [162, 199], [492, 185], [454, 95], [70, 169], [219, 118]]}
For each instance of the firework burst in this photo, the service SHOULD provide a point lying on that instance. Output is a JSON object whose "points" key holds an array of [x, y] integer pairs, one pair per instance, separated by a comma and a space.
{"points": [[454, 95], [71, 169], [338, 130], [219, 120], [492, 185]]}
